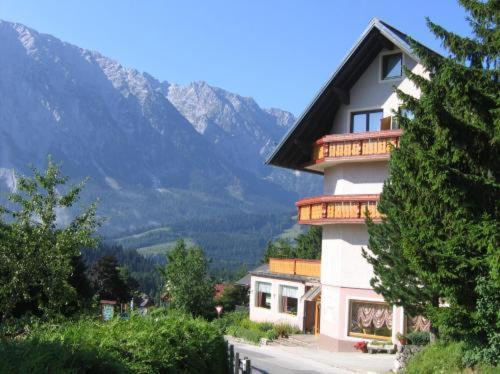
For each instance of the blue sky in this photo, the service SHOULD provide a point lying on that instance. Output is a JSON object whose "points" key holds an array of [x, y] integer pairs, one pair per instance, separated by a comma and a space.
{"points": [[278, 52]]}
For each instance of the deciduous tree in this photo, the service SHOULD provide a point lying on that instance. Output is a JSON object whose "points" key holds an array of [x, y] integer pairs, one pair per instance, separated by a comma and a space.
{"points": [[188, 286], [37, 253]]}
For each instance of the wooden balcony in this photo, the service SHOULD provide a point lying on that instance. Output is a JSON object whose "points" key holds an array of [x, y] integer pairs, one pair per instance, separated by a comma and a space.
{"points": [[322, 210], [295, 266], [365, 146]]}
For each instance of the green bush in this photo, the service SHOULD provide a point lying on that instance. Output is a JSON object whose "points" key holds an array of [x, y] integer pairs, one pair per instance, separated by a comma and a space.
{"points": [[437, 358], [443, 358], [418, 338], [284, 330], [159, 343], [239, 325], [35, 356]]}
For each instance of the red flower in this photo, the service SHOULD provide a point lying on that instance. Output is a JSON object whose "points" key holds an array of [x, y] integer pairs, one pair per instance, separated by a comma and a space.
{"points": [[360, 346]]}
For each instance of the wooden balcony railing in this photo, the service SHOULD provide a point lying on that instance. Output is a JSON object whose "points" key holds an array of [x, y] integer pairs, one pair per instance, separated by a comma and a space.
{"points": [[295, 266], [357, 146], [337, 209]]}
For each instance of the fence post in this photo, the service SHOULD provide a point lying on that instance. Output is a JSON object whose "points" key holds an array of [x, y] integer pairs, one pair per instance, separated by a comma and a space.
{"points": [[248, 368], [236, 363], [231, 358]]}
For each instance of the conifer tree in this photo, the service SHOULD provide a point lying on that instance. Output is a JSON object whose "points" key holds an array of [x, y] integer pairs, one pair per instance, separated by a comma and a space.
{"points": [[440, 235]]}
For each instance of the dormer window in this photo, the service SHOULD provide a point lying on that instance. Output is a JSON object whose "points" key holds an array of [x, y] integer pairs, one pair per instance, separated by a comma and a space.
{"points": [[392, 66]]}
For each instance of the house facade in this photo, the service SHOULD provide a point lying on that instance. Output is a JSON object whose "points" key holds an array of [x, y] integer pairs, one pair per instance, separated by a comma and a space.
{"points": [[346, 134], [286, 291]]}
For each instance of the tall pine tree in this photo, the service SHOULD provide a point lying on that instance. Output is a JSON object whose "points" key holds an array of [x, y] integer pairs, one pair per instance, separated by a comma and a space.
{"points": [[439, 239]]}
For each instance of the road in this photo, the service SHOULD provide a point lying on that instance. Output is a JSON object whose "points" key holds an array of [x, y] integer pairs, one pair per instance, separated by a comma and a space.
{"points": [[304, 360]]}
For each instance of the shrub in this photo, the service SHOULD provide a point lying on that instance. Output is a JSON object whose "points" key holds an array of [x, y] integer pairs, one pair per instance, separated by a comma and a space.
{"points": [[437, 358], [239, 325], [36, 356], [418, 338], [284, 330], [443, 358], [158, 343]]}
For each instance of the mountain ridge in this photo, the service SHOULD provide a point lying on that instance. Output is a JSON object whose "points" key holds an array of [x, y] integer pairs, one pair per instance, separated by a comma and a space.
{"points": [[147, 161]]}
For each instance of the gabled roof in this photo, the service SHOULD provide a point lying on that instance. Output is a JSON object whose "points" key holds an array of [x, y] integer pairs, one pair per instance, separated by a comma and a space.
{"points": [[295, 148]]}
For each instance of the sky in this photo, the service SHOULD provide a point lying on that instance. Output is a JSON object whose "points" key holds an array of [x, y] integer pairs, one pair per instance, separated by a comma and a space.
{"points": [[278, 52]]}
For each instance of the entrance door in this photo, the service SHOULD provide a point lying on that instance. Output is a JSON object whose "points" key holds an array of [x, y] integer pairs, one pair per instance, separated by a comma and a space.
{"points": [[317, 316]]}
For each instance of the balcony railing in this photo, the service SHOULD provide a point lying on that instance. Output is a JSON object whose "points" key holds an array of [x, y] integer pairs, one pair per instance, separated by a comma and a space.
{"points": [[332, 149], [295, 266], [337, 209]]}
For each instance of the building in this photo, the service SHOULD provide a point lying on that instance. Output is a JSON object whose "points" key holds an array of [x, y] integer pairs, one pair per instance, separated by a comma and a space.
{"points": [[287, 291], [346, 134]]}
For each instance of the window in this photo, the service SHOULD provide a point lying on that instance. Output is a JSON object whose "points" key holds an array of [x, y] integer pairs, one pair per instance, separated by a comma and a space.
{"points": [[289, 299], [403, 112], [371, 320], [263, 295], [392, 66], [366, 121], [418, 323]]}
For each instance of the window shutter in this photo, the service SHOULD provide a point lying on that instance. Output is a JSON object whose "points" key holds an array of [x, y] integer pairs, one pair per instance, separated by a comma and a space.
{"points": [[385, 123]]}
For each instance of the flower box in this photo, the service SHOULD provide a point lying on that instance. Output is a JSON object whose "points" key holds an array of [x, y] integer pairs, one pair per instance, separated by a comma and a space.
{"points": [[377, 347]]}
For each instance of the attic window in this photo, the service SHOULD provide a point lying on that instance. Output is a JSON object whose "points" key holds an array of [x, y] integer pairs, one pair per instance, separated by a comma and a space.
{"points": [[392, 66]]}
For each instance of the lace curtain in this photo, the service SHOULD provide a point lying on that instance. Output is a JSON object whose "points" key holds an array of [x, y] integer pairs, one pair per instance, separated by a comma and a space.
{"points": [[377, 315], [419, 323]]}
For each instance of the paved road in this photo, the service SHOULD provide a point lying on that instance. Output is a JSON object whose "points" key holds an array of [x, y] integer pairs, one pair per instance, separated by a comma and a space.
{"points": [[300, 360]]}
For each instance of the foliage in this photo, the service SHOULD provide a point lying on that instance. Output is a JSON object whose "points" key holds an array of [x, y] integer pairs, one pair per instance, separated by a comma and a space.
{"points": [[233, 296], [38, 254], [440, 234], [238, 324], [307, 245], [229, 240], [443, 358], [418, 338], [187, 284], [162, 342], [107, 281], [488, 317], [35, 356], [142, 269]]}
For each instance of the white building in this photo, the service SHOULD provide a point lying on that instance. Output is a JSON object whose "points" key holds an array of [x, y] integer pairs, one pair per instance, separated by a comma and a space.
{"points": [[346, 135]]}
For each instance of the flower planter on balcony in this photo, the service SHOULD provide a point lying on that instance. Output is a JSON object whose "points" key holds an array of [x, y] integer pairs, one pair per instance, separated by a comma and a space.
{"points": [[333, 209]]}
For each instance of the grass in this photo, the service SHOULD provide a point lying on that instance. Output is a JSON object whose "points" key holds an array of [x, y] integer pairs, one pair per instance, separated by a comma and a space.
{"points": [[161, 248], [238, 324], [444, 358]]}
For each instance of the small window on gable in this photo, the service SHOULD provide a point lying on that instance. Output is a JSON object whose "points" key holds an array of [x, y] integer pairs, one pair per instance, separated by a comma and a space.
{"points": [[392, 66]]}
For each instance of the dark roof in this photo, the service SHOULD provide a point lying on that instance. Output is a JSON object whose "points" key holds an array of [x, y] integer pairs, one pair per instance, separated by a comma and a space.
{"points": [[316, 121], [245, 281]]}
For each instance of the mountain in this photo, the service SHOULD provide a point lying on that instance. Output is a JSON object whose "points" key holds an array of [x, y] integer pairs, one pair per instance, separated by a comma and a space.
{"points": [[238, 127], [156, 153]]}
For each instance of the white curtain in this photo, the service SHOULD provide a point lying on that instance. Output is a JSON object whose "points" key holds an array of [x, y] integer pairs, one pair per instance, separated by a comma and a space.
{"points": [[264, 287], [289, 291]]}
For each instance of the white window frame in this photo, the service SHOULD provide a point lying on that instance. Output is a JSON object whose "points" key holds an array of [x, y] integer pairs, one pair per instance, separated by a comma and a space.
{"points": [[256, 296]]}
